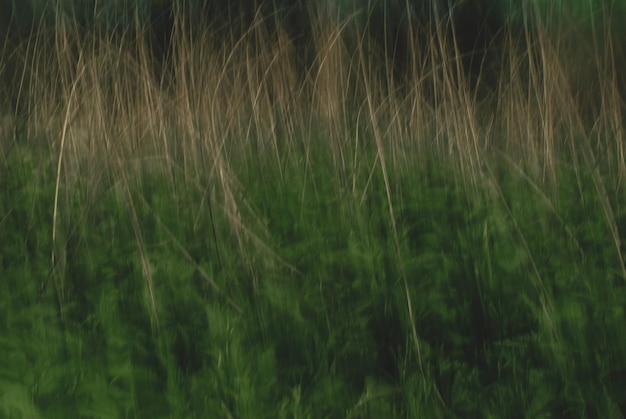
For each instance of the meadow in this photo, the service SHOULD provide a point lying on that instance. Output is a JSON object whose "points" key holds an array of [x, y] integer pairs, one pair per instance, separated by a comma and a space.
{"points": [[232, 230]]}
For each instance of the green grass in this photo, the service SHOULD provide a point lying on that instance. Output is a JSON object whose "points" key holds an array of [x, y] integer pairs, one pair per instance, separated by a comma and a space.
{"points": [[232, 243]]}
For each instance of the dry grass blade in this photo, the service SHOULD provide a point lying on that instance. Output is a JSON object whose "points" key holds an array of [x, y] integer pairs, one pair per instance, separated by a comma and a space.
{"points": [[190, 258], [380, 152], [539, 284], [55, 213], [544, 199], [146, 267]]}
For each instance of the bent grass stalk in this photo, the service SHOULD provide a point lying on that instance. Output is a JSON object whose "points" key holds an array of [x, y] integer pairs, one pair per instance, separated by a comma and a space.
{"points": [[66, 122], [380, 155]]}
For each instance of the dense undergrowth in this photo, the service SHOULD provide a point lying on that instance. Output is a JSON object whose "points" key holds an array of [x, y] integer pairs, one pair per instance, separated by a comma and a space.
{"points": [[223, 244], [517, 299]]}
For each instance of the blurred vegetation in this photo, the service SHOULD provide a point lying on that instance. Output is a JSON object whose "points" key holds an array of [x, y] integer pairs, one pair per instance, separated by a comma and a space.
{"points": [[518, 302], [227, 231]]}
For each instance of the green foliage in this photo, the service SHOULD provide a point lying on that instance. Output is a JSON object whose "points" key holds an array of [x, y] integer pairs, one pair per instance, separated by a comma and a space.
{"points": [[517, 299]]}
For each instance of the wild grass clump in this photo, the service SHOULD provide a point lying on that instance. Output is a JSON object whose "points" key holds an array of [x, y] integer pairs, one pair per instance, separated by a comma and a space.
{"points": [[232, 226]]}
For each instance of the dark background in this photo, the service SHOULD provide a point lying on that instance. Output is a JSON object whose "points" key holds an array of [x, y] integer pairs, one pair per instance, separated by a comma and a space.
{"points": [[478, 27]]}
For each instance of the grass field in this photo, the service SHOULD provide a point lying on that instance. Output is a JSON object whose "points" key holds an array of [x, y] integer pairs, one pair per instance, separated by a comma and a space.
{"points": [[223, 233]]}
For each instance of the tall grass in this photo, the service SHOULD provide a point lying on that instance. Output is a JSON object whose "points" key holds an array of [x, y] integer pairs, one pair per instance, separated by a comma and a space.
{"points": [[113, 91], [315, 233]]}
